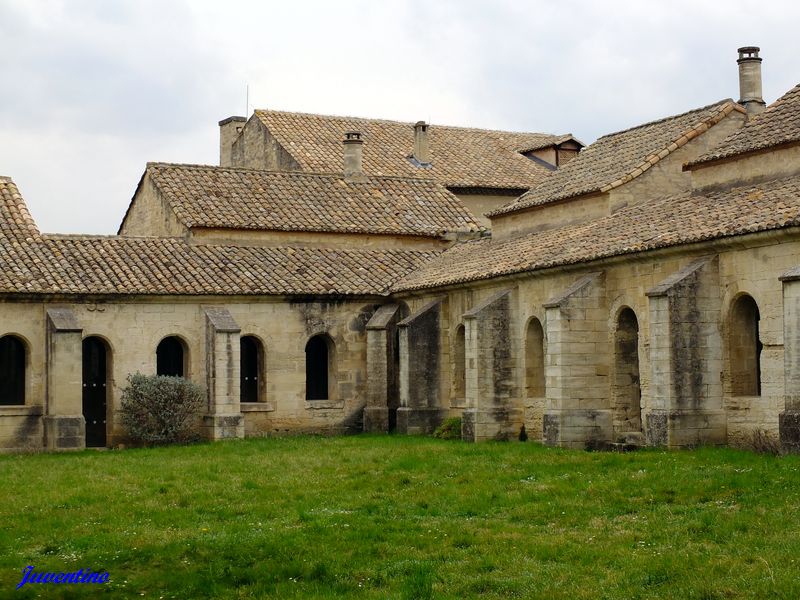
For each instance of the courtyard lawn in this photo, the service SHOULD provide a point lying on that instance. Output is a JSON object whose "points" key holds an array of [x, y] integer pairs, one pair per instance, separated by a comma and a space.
{"points": [[402, 517]]}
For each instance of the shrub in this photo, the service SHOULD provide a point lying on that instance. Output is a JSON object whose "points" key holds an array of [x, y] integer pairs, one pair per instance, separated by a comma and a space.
{"points": [[161, 410], [450, 429], [763, 442]]}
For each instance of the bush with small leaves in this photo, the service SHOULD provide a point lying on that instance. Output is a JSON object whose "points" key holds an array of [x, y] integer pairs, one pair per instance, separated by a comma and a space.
{"points": [[158, 410], [450, 429]]}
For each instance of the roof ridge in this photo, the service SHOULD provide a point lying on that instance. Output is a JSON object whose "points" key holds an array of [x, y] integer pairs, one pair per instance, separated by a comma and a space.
{"points": [[668, 118], [294, 173], [724, 108], [398, 122]]}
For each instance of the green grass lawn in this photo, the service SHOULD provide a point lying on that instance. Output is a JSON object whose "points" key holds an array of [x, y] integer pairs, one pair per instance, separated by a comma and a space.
{"points": [[402, 517]]}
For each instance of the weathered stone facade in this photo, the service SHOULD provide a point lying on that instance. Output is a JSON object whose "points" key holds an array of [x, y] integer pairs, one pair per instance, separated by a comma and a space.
{"points": [[644, 291]]}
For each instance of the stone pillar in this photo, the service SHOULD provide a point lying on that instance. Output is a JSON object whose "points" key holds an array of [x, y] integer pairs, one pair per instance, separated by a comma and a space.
{"points": [[64, 425], [224, 417], [494, 409], [686, 359], [383, 394], [420, 394], [577, 405], [789, 419]]}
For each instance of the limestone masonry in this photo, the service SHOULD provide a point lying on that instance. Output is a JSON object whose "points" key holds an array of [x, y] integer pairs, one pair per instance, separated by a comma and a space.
{"points": [[339, 274]]}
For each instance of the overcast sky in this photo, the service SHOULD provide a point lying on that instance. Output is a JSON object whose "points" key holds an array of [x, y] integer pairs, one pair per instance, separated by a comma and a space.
{"points": [[93, 89]]}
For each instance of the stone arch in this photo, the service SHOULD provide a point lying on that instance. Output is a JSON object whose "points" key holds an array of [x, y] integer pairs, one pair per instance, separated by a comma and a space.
{"points": [[459, 386], [626, 386], [172, 357], [320, 353], [13, 369], [744, 346], [252, 369], [535, 382]]}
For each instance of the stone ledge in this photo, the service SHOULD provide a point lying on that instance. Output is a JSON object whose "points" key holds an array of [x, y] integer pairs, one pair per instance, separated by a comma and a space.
{"points": [[256, 407], [323, 404], [18, 410]]}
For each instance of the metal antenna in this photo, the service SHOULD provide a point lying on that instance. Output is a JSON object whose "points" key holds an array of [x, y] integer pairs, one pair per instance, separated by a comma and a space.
{"points": [[246, 99]]}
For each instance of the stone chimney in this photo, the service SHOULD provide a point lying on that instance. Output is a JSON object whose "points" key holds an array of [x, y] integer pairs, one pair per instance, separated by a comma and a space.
{"points": [[353, 147], [229, 130], [422, 149], [750, 80]]}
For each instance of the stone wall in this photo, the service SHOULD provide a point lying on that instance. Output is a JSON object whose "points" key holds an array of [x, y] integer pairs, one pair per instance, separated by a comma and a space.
{"points": [[132, 330]]}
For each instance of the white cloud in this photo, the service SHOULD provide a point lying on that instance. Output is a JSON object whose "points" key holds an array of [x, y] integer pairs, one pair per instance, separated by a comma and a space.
{"points": [[98, 88]]}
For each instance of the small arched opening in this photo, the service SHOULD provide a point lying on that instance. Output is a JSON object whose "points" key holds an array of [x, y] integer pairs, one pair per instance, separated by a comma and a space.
{"points": [[627, 390], [172, 357], [744, 347], [13, 363], [459, 367], [534, 360], [319, 371]]}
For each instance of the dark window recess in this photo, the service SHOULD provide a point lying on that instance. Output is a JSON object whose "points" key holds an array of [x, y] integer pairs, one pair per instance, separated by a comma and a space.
{"points": [[12, 370], [94, 391], [317, 368], [169, 357], [251, 372]]}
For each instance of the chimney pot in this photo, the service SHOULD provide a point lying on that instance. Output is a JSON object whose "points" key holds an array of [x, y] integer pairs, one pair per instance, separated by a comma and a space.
{"points": [[750, 95], [422, 150], [353, 151]]}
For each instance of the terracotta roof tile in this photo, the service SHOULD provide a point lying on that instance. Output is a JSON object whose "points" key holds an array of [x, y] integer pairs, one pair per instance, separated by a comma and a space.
{"points": [[460, 157], [31, 263], [779, 124], [617, 158], [207, 196], [648, 225]]}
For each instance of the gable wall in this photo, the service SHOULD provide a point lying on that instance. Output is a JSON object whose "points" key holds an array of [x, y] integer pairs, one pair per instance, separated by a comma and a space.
{"points": [[257, 148], [149, 215]]}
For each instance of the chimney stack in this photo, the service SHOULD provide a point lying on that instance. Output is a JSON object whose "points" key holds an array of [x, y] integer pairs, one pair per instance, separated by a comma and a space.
{"points": [[750, 80], [422, 149], [353, 147], [229, 130]]}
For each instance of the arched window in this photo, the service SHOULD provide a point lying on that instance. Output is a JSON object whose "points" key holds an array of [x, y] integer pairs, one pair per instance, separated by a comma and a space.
{"points": [[459, 365], [252, 381], [534, 360], [319, 358], [12, 370], [627, 388], [171, 357], [744, 348]]}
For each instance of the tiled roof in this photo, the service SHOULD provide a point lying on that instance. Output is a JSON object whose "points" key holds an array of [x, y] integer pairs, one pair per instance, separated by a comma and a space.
{"points": [[648, 225], [779, 124], [206, 196], [460, 157], [617, 158], [31, 263]]}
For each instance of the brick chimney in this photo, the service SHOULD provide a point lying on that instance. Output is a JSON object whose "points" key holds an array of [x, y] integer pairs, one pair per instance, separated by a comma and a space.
{"points": [[422, 149], [353, 147], [750, 80], [229, 130]]}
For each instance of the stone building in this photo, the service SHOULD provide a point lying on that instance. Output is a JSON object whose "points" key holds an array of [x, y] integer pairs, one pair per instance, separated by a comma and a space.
{"points": [[338, 274]]}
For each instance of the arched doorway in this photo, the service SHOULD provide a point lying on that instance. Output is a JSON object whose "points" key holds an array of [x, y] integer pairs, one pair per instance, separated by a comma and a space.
{"points": [[251, 383], [95, 391], [627, 390]]}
